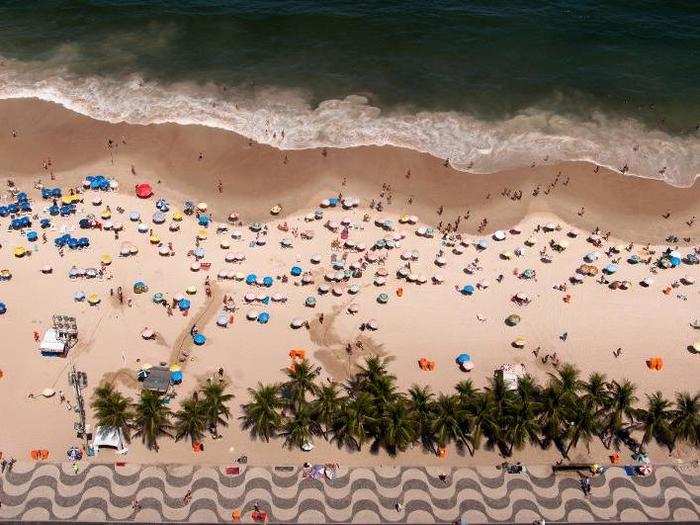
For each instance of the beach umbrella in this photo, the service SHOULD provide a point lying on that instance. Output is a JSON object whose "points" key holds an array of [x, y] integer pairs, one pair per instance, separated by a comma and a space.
{"points": [[499, 235], [528, 273], [3, 308], [19, 251], [611, 268], [353, 289], [203, 220], [353, 308], [263, 318], [222, 320], [93, 299], [297, 322], [267, 281], [5, 274], [46, 268], [48, 392], [482, 244], [695, 347], [324, 288], [144, 190], [176, 376], [252, 315], [158, 217], [279, 297], [550, 226], [184, 304], [310, 302], [634, 259], [91, 273], [463, 358], [307, 279], [164, 250], [675, 261], [191, 290], [383, 298], [199, 339], [468, 289], [158, 297], [512, 319], [251, 278], [249, 297], [148, 333], [372, 324], [202, 207], [519, 342], [79, 296]]}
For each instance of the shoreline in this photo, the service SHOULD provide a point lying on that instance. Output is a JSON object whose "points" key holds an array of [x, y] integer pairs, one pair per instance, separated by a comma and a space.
{"points": [[169, 152]]}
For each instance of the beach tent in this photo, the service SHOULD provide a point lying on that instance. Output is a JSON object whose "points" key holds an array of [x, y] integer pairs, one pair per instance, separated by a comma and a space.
{"points": [[144, 190], [50, 344], [108, 437]]}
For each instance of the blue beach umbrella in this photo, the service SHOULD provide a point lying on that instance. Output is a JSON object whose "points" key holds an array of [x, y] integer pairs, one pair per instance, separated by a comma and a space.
{"points": [[203, 220], [675, 261], [45, 223], [263, 318], [463, 358], [267, 281], [3, 308], [295, 271], [199, 339], [468, 289], [32, 236], [183, 304], [251, 278], [176, 377]]}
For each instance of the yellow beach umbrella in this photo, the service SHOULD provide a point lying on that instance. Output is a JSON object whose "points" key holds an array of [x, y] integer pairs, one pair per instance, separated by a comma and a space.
{"points": [[20, 251], [106, 214], [202, 206], [93, 299], [519, 342], [106, 260], [175, 368], [202, 234], [191, 290], [154, 239], [177, 216]]}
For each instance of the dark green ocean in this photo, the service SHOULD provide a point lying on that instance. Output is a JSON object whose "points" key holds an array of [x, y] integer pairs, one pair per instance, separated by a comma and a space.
{"points": [[489, 84]]}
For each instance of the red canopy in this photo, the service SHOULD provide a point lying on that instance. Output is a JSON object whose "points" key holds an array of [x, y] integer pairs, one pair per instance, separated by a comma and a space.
{"points": [[144, 190]]}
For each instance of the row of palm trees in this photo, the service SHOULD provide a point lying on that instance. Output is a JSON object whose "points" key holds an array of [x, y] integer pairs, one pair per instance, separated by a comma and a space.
{"points": [[566, 411], [151, 418]]}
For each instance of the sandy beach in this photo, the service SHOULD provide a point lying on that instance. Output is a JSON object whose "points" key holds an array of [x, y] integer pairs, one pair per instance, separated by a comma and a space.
{"points": [[54, 147]]}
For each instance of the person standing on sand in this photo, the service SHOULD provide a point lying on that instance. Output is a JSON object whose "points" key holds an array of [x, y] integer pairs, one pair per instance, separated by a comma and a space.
{"points": [[220, 186]]}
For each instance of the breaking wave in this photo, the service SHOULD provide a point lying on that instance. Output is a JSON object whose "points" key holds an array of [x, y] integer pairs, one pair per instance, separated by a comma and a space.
{"points": [[530, 136]]}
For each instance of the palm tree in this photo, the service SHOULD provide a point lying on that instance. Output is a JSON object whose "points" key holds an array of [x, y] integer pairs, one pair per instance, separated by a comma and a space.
{"points": [[521, 425], [261, 415], [397, 428], [685, 419], [191, 420], [500, 396], [421, 403], [448, 421], [302, 381], [552, 417], [584, 425], [152, 419], [466, 391], [352, 425], [300, 427], [215, 400], [567, 382], [654, 420], [113, 410], [326, 406], [595, 392], [621, 410], [481, 421], [374, 379]]}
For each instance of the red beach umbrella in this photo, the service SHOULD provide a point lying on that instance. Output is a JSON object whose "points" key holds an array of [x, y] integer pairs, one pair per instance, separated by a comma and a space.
{"points": [[144, 190]]}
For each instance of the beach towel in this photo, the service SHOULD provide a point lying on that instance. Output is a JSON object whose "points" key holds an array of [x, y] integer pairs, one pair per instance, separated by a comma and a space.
{"points": [[233, 471], [630, 471]]}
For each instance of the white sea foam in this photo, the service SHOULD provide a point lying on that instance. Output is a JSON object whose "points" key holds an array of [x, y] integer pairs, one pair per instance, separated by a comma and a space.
{"points": [[470, 143]]}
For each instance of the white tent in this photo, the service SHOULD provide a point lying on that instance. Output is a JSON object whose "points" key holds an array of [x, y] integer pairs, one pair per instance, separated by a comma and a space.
{"points": [[51, 344], [108, 437]]}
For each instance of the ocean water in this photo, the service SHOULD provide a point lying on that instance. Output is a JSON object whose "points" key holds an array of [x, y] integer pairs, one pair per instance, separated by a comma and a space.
{"points": [[487, 84]]}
